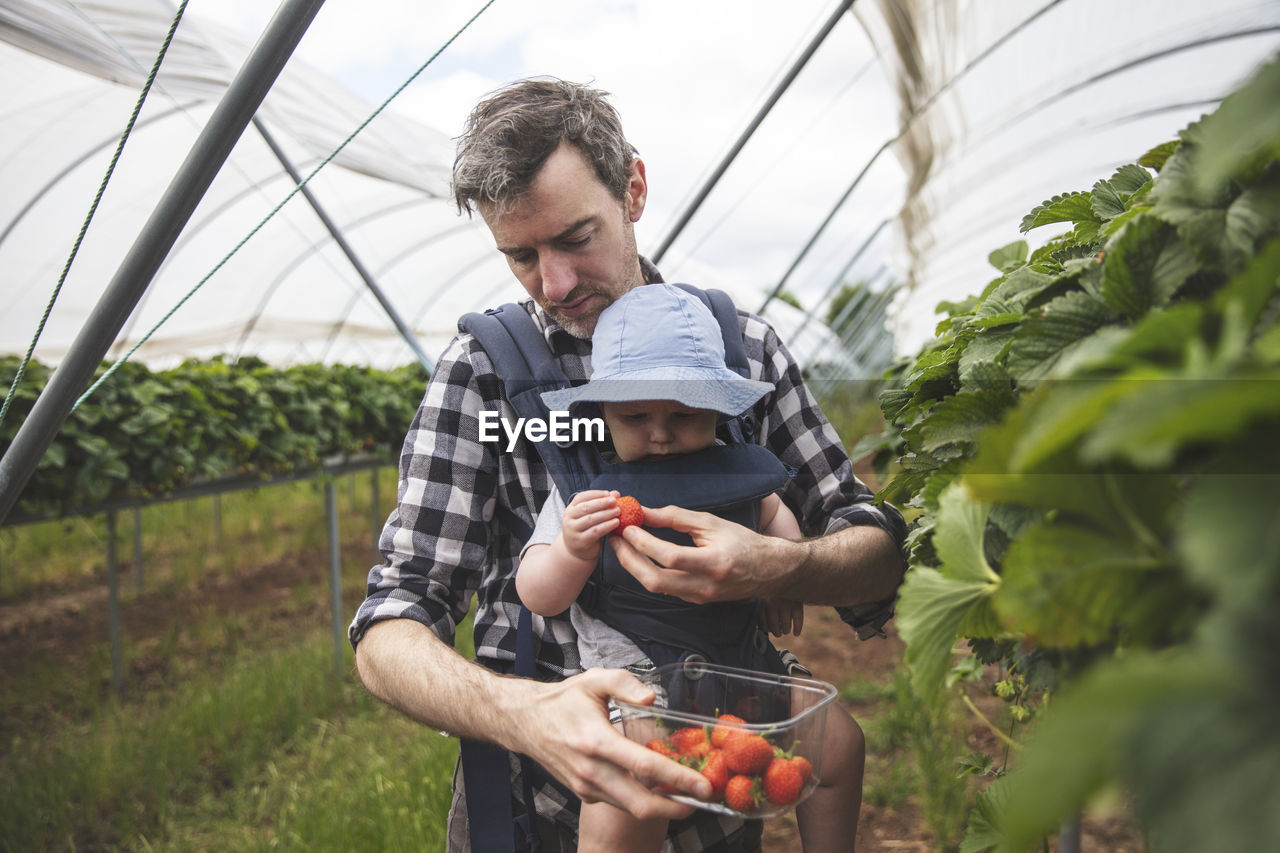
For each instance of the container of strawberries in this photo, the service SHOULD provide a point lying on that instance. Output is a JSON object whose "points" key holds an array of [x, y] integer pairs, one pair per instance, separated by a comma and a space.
{"points": [[757, 737]]}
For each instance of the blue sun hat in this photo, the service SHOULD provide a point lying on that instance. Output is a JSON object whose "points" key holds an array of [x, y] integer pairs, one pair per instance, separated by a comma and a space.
{"points": [[659, 342]]}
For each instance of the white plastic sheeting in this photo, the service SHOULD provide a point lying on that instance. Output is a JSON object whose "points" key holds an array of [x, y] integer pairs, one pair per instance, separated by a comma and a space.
{"points": [[998, 105], [73, 74]]}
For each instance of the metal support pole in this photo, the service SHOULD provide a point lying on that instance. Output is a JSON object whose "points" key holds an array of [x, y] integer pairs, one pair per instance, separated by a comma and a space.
{"points": [[217, 521], [1069, 835], [374, 510], [782, 86], [334, 231], [335, 574], [839, 279], [137, 549], [114, 631], [152, 245]]}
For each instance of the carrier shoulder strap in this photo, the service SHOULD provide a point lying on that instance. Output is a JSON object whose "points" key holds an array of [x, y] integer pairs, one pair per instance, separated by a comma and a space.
{"points": [[526, 366], [739, 428]]}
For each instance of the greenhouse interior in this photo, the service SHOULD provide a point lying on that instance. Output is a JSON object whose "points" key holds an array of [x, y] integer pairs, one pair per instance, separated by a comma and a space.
{"points": [[1023, 254]]}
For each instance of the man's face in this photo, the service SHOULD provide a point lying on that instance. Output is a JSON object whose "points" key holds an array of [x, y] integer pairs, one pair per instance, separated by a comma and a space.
{"points": [[571, 243]]}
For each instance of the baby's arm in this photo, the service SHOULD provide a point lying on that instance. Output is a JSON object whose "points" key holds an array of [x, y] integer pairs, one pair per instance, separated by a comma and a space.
{"points": [[551, 576], [780, 616], [777, 520]]}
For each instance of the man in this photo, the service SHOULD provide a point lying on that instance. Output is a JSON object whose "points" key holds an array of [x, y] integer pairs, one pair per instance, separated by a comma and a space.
{"points": [[548, 168]]}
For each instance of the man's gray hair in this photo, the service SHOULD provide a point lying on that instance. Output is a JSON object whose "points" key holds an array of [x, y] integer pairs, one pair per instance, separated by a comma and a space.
{"points": [[512, 132]]}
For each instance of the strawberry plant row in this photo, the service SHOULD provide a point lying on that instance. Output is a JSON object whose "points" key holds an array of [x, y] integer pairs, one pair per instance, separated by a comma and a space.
{"points": [[146, 433], [1088, 448]]}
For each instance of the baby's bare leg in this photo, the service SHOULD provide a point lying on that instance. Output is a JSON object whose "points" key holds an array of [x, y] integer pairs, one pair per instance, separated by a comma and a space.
{"points": [[603, 828], [828, 819]]}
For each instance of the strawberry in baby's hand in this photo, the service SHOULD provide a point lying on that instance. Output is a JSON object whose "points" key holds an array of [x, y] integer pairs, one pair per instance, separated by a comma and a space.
{"points": [[629, 513]]}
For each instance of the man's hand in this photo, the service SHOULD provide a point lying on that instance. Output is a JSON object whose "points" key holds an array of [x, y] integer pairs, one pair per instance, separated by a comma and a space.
{"points": [[728, 562], [562, 725], [853, 565], [566, 729]]}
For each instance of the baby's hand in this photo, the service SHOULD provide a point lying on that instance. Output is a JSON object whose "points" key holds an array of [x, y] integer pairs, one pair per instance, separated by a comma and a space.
{"points": [[781, 616], [588, 518]]}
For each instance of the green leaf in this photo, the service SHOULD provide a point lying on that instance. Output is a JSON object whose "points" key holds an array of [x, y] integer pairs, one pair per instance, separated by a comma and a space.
{"points": [[1198, 743], [958, 539], [1067, 585], [1009, 257], [931, 609], [1020, 286], [1159, 419], [1067, 207], [983, 832], [985, 375], [1129, 178], [1252, 218], [1242, 133], [961, 417], [1060, 484], [934, 603], [988, 345], [1045, 337], [1156, 157], [1059, 416], [1228, 532], [1106, 202], [1254, 287], [1146, 264]]}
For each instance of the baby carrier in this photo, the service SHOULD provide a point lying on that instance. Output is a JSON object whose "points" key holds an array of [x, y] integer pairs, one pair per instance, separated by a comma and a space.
{"points": [[740, 470], [728, 480]]}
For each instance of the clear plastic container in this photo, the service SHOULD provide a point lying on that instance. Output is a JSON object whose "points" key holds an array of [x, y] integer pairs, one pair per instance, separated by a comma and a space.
{"points": [[789, 713]]}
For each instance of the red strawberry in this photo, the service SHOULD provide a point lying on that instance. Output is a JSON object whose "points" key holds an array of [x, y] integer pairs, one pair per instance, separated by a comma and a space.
{"points": [[629, 513], [659, 746], [717, 773], [725, 723], [802, 764], [746, 752], [741, 794], [783, 782], [690, 741]]}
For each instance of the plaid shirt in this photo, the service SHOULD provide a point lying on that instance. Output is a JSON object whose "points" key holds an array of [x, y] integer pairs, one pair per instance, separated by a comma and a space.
{"points": [[444, 542]]}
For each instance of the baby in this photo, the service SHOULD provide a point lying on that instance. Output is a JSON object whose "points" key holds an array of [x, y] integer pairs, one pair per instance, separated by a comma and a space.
{"points": [[661, 384]]}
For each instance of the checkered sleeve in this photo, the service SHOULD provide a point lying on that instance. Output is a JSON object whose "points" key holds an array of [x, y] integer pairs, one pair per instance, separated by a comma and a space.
{"points": [[436, 538], [825, 493]]}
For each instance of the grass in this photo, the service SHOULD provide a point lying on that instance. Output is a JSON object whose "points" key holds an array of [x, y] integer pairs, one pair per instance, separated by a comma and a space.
{"points": [[184, 540], [275, 749], [228, 735]]}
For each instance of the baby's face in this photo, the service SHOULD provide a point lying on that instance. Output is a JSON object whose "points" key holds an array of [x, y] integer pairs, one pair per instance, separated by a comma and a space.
{"points": [[652, 428]]}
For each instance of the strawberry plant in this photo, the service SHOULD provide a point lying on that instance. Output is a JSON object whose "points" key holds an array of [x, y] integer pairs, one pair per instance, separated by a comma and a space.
{"points": [[146, 433], [1088, 449]]}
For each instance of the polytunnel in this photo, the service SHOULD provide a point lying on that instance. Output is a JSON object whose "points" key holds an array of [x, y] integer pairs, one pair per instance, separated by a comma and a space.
{"points": [[891, 144], [260, 236], [945, 121]]}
